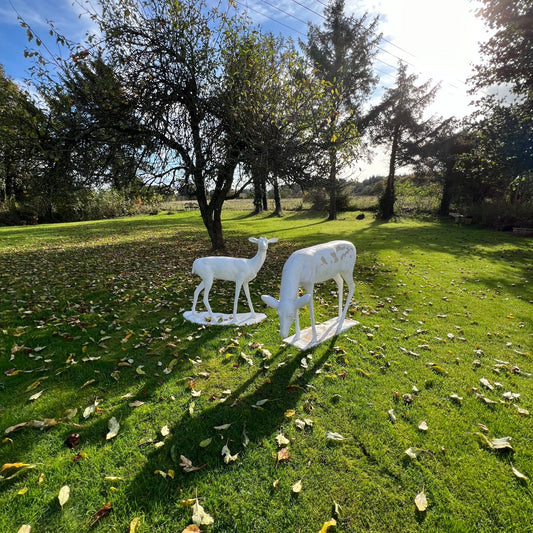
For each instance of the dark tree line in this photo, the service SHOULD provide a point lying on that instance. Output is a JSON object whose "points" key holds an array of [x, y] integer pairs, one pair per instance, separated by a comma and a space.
{"points": [[178, 94]]}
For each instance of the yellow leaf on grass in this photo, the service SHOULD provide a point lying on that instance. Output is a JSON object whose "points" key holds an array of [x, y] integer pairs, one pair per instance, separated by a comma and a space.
{"points": [[25, 528], [290, 412], [64, 495], [134, 525], [23, 491], [329, 526], [7, 466]]}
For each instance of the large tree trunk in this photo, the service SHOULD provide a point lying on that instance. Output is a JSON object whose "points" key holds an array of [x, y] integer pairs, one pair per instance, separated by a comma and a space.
{"points": [[332, 185], [278, 210], [386, 202], [211, 210], [444, 207]]}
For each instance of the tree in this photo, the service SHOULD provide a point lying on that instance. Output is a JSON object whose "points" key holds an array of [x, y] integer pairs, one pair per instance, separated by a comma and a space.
{"points": [[19, 122], [403, 128], [508, 56], [341, 54], [169, 82], [502, 158]]}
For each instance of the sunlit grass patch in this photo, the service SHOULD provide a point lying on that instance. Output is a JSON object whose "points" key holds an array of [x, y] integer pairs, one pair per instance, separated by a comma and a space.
{"points": [[92, 328]]}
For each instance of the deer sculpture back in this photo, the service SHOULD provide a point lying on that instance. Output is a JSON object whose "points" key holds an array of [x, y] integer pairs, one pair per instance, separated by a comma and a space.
{"points": [[332, 260]]}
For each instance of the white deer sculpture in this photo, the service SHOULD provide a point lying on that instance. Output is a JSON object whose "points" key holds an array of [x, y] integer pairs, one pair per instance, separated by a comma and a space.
{"points": [[236, 269], [330, 260]]}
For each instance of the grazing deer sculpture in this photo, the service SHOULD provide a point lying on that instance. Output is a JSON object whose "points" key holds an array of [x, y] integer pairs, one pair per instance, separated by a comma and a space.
{"points": [[331, 260], [236, 269]]}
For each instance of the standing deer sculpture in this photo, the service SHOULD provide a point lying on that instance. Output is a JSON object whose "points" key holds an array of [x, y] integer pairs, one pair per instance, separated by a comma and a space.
{"points": [[236, 269], [331, 260]]}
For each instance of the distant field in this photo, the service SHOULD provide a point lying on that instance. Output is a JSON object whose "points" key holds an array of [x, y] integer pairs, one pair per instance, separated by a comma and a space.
{"points": [[289, 204]]}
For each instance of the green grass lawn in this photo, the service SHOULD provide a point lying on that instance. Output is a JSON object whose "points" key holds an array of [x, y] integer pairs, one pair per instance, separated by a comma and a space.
{"points": [[91, 329]]}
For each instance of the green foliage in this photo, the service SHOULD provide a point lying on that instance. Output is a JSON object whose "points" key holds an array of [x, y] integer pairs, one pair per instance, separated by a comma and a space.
{"points": [[439, 307]]}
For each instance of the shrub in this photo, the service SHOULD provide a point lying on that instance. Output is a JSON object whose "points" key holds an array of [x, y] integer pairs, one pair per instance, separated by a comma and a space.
{"points": [[501, 214]]}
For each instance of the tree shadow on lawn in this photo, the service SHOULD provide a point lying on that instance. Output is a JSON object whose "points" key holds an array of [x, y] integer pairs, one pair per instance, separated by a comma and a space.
{"points": [[471, 244], [280, 386]]}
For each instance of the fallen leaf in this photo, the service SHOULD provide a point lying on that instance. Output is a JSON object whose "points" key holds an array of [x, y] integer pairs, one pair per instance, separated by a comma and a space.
{"points": [[518, 474], [290, 412], [193, 528], [64, 495], [329, 526], [113, 426], [136, 403], [421, 501], [103, 511], [227, 455], [113, 479], [25, 528], [199, 516], [486, 383], [502, 443], [135, 524], [34, 397], [297, 487], [205, 443], [187, 465], [165, 431], [422, 426], [12, 470], [521, 411], [392, 416], [88, 383], [223, 427], [22, 491], [34, 385], [331, 435], [73, 440], [283, 454], [282, 440], [413, 453], [245, 439]]}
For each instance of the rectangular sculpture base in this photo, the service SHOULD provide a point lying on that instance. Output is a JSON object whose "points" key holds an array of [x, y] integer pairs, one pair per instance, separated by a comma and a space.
{"points": [[324, 331], [224, 319]]}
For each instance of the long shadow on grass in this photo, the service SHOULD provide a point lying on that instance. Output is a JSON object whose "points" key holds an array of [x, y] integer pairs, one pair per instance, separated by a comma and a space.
{"points": [[283, 385]]}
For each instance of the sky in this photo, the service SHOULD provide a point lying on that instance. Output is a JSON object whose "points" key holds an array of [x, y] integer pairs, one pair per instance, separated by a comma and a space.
{"points": [[439, 40]]}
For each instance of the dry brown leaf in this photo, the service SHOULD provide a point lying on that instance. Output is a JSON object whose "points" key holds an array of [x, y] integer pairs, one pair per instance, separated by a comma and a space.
{"points": [[193, 528], [103, 511]]}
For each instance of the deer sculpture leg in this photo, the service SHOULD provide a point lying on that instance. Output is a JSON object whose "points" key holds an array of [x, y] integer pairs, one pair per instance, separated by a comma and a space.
{"points": [[208, 283], [196, 294], [247, 292], [238, 285], [309, 288], [348, 277]]}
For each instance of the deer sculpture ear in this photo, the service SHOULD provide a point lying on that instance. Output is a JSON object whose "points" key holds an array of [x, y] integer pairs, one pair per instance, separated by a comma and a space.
{"points": [[274, 239], [304, 300], [253, 239], [271, 302]]}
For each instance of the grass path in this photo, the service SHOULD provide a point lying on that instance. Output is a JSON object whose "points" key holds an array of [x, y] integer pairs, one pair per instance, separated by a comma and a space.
{"points": [[91, 329]]}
